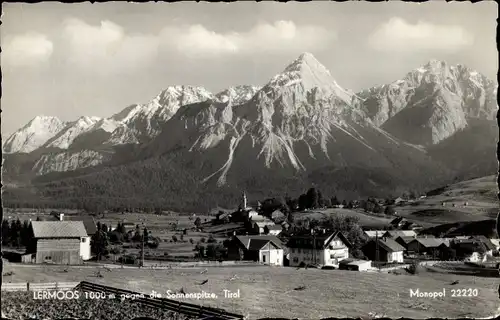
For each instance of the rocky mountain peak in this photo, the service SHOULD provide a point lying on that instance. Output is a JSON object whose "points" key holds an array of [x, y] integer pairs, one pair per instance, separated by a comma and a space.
{"points": [[237, 94], [33, 135], [306, 78]]}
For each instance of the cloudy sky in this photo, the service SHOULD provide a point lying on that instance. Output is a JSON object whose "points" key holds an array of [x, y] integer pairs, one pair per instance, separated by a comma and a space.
{"points": [[70, 60]]}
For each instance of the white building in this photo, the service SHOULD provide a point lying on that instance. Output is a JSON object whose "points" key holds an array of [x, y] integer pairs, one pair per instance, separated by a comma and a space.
{"points": [[264, 249], [355, 265], [325, 249]]}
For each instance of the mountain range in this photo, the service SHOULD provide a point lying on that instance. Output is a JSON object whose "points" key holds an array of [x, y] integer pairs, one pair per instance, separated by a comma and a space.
{"points": [[300, 128]]}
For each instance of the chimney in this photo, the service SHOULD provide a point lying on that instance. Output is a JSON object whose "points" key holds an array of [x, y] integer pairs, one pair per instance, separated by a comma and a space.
{"points": [[324, 231], [61, 216], [234, 233]]}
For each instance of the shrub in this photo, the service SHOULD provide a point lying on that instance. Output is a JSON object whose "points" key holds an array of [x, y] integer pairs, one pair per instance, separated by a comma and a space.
{"points": [[414, 267]]}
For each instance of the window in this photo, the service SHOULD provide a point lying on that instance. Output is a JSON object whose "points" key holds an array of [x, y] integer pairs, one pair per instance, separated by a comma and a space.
{"points": [[84, 240], [295, 259], [293, 250], [299, 251]]}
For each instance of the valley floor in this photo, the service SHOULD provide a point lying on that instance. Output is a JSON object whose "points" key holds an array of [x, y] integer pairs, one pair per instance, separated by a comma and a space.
{"points": [[269, 291]]}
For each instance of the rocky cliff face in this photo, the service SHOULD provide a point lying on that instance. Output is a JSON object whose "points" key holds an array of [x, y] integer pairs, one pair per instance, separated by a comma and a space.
{"points": [[299, 121], [431, 103]]}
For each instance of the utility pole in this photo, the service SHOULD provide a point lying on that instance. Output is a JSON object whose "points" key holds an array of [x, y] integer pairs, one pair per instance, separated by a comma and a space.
{"points": [[314, 246], [142, 245]]}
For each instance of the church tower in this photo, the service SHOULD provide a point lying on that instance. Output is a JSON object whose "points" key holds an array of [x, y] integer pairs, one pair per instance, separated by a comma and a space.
{"points": [[244, 200]]}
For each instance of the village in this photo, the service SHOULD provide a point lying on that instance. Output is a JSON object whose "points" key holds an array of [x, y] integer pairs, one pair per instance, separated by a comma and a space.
{"points": [[262, 234], [260, 249]]}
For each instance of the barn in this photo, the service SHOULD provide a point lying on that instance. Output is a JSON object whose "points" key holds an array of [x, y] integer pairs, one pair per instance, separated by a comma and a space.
{"points": [[58, 242], [90, 228]]}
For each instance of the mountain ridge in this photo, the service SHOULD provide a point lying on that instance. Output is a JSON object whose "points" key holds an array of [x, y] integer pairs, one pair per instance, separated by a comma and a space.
{"points": [[299, 128]]}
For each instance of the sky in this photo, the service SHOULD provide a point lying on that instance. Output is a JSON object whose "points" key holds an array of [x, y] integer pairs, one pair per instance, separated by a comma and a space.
{"points": [[70, 60]]}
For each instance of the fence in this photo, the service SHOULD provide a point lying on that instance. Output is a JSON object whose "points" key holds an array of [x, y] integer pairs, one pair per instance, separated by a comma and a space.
{"points": [[27, 286], [189, 309]]}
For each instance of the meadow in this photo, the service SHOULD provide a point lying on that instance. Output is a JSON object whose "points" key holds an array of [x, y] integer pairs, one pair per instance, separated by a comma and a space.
{"points": [[269, 291]]}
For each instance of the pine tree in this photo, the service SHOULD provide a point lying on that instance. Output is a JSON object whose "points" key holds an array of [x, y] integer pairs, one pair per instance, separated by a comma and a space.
{"points": [[6, 233]]}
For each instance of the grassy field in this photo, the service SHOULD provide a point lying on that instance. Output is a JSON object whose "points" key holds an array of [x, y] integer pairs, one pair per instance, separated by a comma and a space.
{"points": [[161, 226], [480, 195], [365, 219], [269, 291]]}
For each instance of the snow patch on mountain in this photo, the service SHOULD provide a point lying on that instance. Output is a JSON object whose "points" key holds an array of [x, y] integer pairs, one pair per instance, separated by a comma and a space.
{"points": [[33, 135], [65, 137], [147, 120]]}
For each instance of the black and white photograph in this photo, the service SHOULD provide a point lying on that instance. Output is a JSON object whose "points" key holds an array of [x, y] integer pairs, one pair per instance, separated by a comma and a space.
{"points": [[249, 160]]}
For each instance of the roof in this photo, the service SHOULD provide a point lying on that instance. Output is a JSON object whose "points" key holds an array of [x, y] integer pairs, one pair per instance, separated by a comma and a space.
{"points": [[58, 229], [405, 239], [260, 219], [373, 233], [258, 241], [487, 242], [432, 242], [401, 233], [262, 224], [88, 222], [321, 241], [396, 220], [389, 245]]}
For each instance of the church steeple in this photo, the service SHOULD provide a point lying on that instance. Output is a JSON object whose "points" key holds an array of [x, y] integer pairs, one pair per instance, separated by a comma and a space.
{"points": [[244, 200]]}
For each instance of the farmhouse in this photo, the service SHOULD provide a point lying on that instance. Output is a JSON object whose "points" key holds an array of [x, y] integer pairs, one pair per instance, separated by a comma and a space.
{"points": [[264, 249], [325, 249], [427, 246], [58, 241], [273, 230], [404, 241], [90, 228], [355, 265], [383, 249]]}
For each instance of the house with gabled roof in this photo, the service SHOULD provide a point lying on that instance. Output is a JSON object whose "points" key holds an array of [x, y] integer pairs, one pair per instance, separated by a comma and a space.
{"points": [[58, 242], [265, 249], [428, 246], [383, 249], [325, 248], [90, 228]]}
